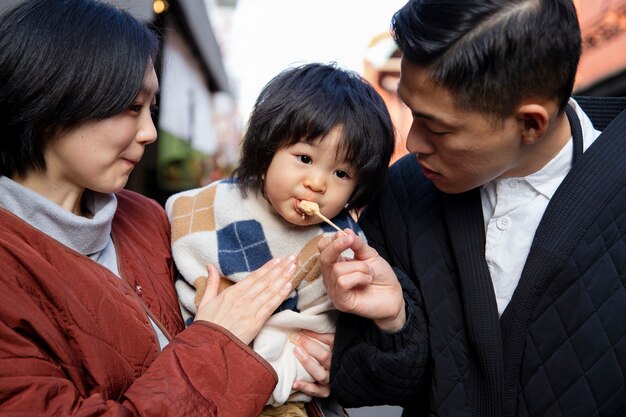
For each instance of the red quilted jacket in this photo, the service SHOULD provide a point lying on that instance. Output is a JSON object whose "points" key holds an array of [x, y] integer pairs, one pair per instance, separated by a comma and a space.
{"points": [[76, 340]]}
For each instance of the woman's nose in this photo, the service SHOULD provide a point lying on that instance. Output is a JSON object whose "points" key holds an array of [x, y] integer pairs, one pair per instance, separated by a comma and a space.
{"points": [[147, 132]]}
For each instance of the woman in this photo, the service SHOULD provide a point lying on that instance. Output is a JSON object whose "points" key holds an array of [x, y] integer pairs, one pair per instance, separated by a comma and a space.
{"points": [[89, 320]]}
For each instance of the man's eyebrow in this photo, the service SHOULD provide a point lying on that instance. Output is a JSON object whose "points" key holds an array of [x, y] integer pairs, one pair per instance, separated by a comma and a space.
{"points": [[421, 115], [415, 113]]}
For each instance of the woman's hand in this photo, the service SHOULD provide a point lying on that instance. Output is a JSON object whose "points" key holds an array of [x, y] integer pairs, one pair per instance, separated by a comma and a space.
{"points": [[366, 285], [313, 350], [244, 307]]}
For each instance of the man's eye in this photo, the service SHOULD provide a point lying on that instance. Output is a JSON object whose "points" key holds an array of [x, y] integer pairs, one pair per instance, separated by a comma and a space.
{"points": [[306, 159], [437, 133]]}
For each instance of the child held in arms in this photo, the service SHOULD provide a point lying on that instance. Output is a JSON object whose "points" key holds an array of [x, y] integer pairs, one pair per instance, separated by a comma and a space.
{"points": [[317, 133]]}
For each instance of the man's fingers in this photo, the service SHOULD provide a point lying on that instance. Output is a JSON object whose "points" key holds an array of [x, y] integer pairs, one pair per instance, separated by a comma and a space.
{"points": [[314, 368], [330, 251], [321, 353], [333, 249], [312, 389], [347, 275], [326, 338]]}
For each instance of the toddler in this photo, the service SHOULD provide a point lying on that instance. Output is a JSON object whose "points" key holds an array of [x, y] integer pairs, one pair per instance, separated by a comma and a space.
{"points": [[317, 133]]}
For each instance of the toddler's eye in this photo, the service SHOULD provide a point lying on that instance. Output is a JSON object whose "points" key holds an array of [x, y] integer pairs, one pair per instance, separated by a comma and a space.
{"points": [[305, 158], [342, 174]]}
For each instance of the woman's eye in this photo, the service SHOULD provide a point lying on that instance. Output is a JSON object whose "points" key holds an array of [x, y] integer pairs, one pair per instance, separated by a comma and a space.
{"points": [[135, 108], [342, 174], [305, 159]]}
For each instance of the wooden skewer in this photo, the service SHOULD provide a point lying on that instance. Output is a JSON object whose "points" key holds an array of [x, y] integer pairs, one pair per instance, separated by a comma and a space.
{"points": [[310, 208], [321, 216]]}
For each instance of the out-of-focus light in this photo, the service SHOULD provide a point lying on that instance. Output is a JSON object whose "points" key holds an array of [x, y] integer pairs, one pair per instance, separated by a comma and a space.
{"points": [[159, 6]]}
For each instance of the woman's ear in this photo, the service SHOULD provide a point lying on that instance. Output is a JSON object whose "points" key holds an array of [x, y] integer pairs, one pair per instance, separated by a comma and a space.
{"points": [[534, 119]]}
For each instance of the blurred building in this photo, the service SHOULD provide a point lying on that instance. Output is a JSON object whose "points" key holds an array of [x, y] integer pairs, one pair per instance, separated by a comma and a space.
{"points": [[381, 67], [602, 69], [196, 121]]}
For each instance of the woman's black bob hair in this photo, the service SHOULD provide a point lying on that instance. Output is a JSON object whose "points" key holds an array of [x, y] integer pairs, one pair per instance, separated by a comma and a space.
{"points": [[63, 62], [305, 103]]}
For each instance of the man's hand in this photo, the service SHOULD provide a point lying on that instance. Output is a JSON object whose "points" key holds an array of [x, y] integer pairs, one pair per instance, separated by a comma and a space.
{"points": [[366, 285], [313, 350]]}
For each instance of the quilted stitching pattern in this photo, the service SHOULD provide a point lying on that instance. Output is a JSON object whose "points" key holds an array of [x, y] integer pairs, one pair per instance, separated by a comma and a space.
{"points": [[585, 346], [575, 349]]}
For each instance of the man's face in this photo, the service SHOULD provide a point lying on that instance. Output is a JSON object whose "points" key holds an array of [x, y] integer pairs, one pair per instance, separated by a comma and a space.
{"points": [[457, 149]]}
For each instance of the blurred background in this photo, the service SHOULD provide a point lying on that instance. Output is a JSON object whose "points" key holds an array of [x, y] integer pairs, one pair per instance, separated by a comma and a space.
{"points": [[216, 55]]}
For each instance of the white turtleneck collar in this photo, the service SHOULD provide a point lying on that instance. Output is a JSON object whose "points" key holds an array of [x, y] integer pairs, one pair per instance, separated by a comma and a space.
{"points": [[86, 236]]}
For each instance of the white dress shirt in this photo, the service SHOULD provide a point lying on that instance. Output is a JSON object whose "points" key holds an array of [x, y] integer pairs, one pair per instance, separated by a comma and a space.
{"points": [[513, 208]]}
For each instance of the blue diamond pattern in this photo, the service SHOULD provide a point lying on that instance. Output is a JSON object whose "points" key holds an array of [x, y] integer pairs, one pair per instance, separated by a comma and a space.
{"points": [[242, 247]]}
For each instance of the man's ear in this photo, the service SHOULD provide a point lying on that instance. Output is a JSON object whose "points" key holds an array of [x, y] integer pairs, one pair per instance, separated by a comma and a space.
{"points": [[534, 119]]}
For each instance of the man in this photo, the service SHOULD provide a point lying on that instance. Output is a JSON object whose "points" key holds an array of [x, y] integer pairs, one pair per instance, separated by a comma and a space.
{"points": [[494, 280]]}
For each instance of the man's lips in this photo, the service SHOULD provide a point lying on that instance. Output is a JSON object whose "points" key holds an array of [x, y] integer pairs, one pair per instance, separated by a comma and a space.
{"points": [[429, 173]]}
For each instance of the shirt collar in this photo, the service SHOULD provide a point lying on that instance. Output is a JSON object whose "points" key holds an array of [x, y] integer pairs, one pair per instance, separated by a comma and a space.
{"points": [[547, 179]]}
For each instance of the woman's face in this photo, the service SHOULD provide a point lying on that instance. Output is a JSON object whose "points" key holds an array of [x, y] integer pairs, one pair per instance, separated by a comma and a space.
{"points": [[99, 155]]}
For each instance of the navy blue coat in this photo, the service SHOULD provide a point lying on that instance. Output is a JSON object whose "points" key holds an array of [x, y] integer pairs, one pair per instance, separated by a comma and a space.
{"points": [[559, 348]]}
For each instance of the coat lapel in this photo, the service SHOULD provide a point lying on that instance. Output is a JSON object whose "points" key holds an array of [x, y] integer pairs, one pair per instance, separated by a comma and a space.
{"points": [[591, 183], [464, 217]]}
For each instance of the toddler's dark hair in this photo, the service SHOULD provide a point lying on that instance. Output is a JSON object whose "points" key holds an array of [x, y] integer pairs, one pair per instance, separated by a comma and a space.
{"points": [[304, 104]]}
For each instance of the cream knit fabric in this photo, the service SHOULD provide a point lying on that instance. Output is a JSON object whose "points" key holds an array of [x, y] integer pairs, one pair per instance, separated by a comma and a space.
{"points": [[215, 225]]}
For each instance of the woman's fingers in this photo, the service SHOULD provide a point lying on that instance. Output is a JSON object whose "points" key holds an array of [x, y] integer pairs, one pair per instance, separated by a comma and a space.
{"points": [[244, 307], [264, 300], [212, 285], [269, 289]]}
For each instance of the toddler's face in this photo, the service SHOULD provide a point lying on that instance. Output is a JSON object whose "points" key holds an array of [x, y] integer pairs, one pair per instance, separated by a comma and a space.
{"points": [[310, 172]]}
